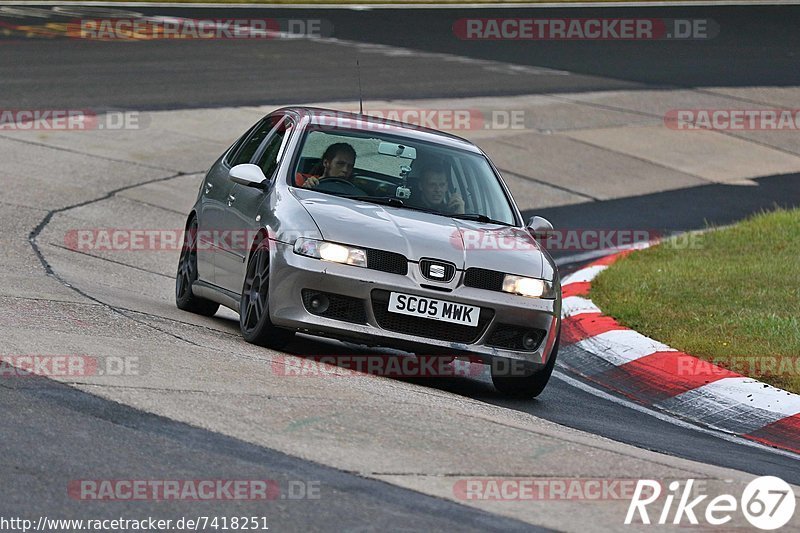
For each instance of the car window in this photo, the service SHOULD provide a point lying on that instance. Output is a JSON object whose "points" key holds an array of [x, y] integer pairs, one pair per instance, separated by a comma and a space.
{"points": [[249, 147], [232, 151], [369, 160], [425, 175], [270, 156]]}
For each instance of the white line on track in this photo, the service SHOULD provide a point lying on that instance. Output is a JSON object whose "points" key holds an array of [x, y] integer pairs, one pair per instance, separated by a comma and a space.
{"points": [[582, 257], [619, 347], [586, 274], [712, 398], [666, 418], [577, 305]]}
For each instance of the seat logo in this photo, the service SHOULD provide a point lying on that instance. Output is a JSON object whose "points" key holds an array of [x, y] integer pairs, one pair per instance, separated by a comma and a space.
{"points": [[437, 270]]}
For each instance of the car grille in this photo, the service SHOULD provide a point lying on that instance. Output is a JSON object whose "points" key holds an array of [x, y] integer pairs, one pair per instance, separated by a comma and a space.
{"points": [[510, 337], [448, 269], [384, 261], [340, 307], [480, 278], [424, 327]]}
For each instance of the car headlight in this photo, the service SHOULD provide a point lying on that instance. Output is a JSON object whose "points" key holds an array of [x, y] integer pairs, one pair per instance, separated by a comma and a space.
{"points": [[531, 287], [330, 251]]}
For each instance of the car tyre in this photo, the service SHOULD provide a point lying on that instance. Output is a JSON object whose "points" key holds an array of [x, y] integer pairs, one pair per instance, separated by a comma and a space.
{"points": [[254, 321], [526, 386], [185, 298]]}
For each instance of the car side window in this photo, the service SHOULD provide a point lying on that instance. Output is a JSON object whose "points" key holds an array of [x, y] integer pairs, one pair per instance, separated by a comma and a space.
{"points": [[236, 146], [270, 157], [249, 147]]}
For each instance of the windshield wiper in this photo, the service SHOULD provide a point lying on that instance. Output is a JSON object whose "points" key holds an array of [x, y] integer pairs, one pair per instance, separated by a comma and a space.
{"points": [[382, 200], [391, 201], [397, 202], [479, 217]]}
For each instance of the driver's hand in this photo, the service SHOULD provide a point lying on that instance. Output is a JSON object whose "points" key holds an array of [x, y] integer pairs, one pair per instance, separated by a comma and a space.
{"points": [[311, 182], [456, 204]]}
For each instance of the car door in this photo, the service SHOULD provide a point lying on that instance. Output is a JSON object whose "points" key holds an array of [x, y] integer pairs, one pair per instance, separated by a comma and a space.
{"points": [[217, 190], [214, 189], [240, 222]]}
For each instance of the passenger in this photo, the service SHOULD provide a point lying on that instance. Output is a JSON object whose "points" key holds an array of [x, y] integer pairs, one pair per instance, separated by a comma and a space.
{"points": [[433, 191], [337, 162]]}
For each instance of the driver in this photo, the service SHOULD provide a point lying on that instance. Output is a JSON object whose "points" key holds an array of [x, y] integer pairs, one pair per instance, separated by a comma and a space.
{"points": [[337, 162], [433, 186]]}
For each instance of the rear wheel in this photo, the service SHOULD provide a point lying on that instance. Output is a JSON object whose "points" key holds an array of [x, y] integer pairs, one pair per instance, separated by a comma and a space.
{"points": [[512, 379], [254, 320], [185, 299]]}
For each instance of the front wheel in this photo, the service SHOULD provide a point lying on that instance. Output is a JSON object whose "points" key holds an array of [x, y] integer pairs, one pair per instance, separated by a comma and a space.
{"points": [[185, 299], [512, 379], [254, 320]]}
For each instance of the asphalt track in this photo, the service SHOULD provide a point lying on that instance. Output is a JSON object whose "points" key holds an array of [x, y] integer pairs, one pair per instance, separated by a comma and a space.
{"points": [[86, 434], [683, 209], [755, 47], [95, 435]]}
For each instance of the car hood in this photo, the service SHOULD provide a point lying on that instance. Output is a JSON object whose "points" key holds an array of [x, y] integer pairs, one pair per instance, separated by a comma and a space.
{"points": [[417, 234]]}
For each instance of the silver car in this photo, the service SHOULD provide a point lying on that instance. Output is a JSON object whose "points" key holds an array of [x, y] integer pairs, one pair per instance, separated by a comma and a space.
{"points": [[375, 232]]}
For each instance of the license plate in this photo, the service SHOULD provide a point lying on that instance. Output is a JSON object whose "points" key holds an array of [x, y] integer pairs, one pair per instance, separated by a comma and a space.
{"points": [[420, 306]]}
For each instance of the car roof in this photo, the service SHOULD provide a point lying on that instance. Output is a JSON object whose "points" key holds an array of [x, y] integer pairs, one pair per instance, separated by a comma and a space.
{"points": [[358, 121]]}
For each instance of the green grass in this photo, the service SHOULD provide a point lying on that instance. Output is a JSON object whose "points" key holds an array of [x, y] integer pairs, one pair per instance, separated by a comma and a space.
{"points": [[732, 298]]}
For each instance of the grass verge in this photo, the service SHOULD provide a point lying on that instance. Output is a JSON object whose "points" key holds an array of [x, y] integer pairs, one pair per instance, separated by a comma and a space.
{"points": [[732, 297]]}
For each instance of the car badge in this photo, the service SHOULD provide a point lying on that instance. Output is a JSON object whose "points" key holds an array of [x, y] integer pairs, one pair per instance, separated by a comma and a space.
{"points": [[437, 271]]}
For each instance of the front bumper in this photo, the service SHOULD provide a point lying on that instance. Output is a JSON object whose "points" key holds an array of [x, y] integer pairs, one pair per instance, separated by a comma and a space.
{"points": [[291, 273]]}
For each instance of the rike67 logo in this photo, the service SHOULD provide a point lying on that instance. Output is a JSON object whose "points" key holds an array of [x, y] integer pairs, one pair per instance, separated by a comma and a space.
{"points": [[767, 503]]}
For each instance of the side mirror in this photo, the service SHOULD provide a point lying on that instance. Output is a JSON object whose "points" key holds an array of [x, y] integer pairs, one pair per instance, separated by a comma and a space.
{"points": [[248, 175], [539, 225]]}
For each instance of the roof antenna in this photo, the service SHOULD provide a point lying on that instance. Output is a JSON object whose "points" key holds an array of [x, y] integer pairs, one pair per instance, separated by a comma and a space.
{"points": [[360, 99]]}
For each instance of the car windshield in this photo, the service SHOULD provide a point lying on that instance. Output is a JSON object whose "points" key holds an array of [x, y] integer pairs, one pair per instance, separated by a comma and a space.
{"points": [[384, 168]]}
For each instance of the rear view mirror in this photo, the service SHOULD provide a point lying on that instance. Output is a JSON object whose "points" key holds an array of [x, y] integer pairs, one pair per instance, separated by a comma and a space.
{"points": [[248, 175], [397, 150]]}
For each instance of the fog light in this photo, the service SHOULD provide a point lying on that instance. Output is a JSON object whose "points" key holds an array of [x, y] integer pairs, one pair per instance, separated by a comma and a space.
{"points": [[319, 304], [530, 340]]}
